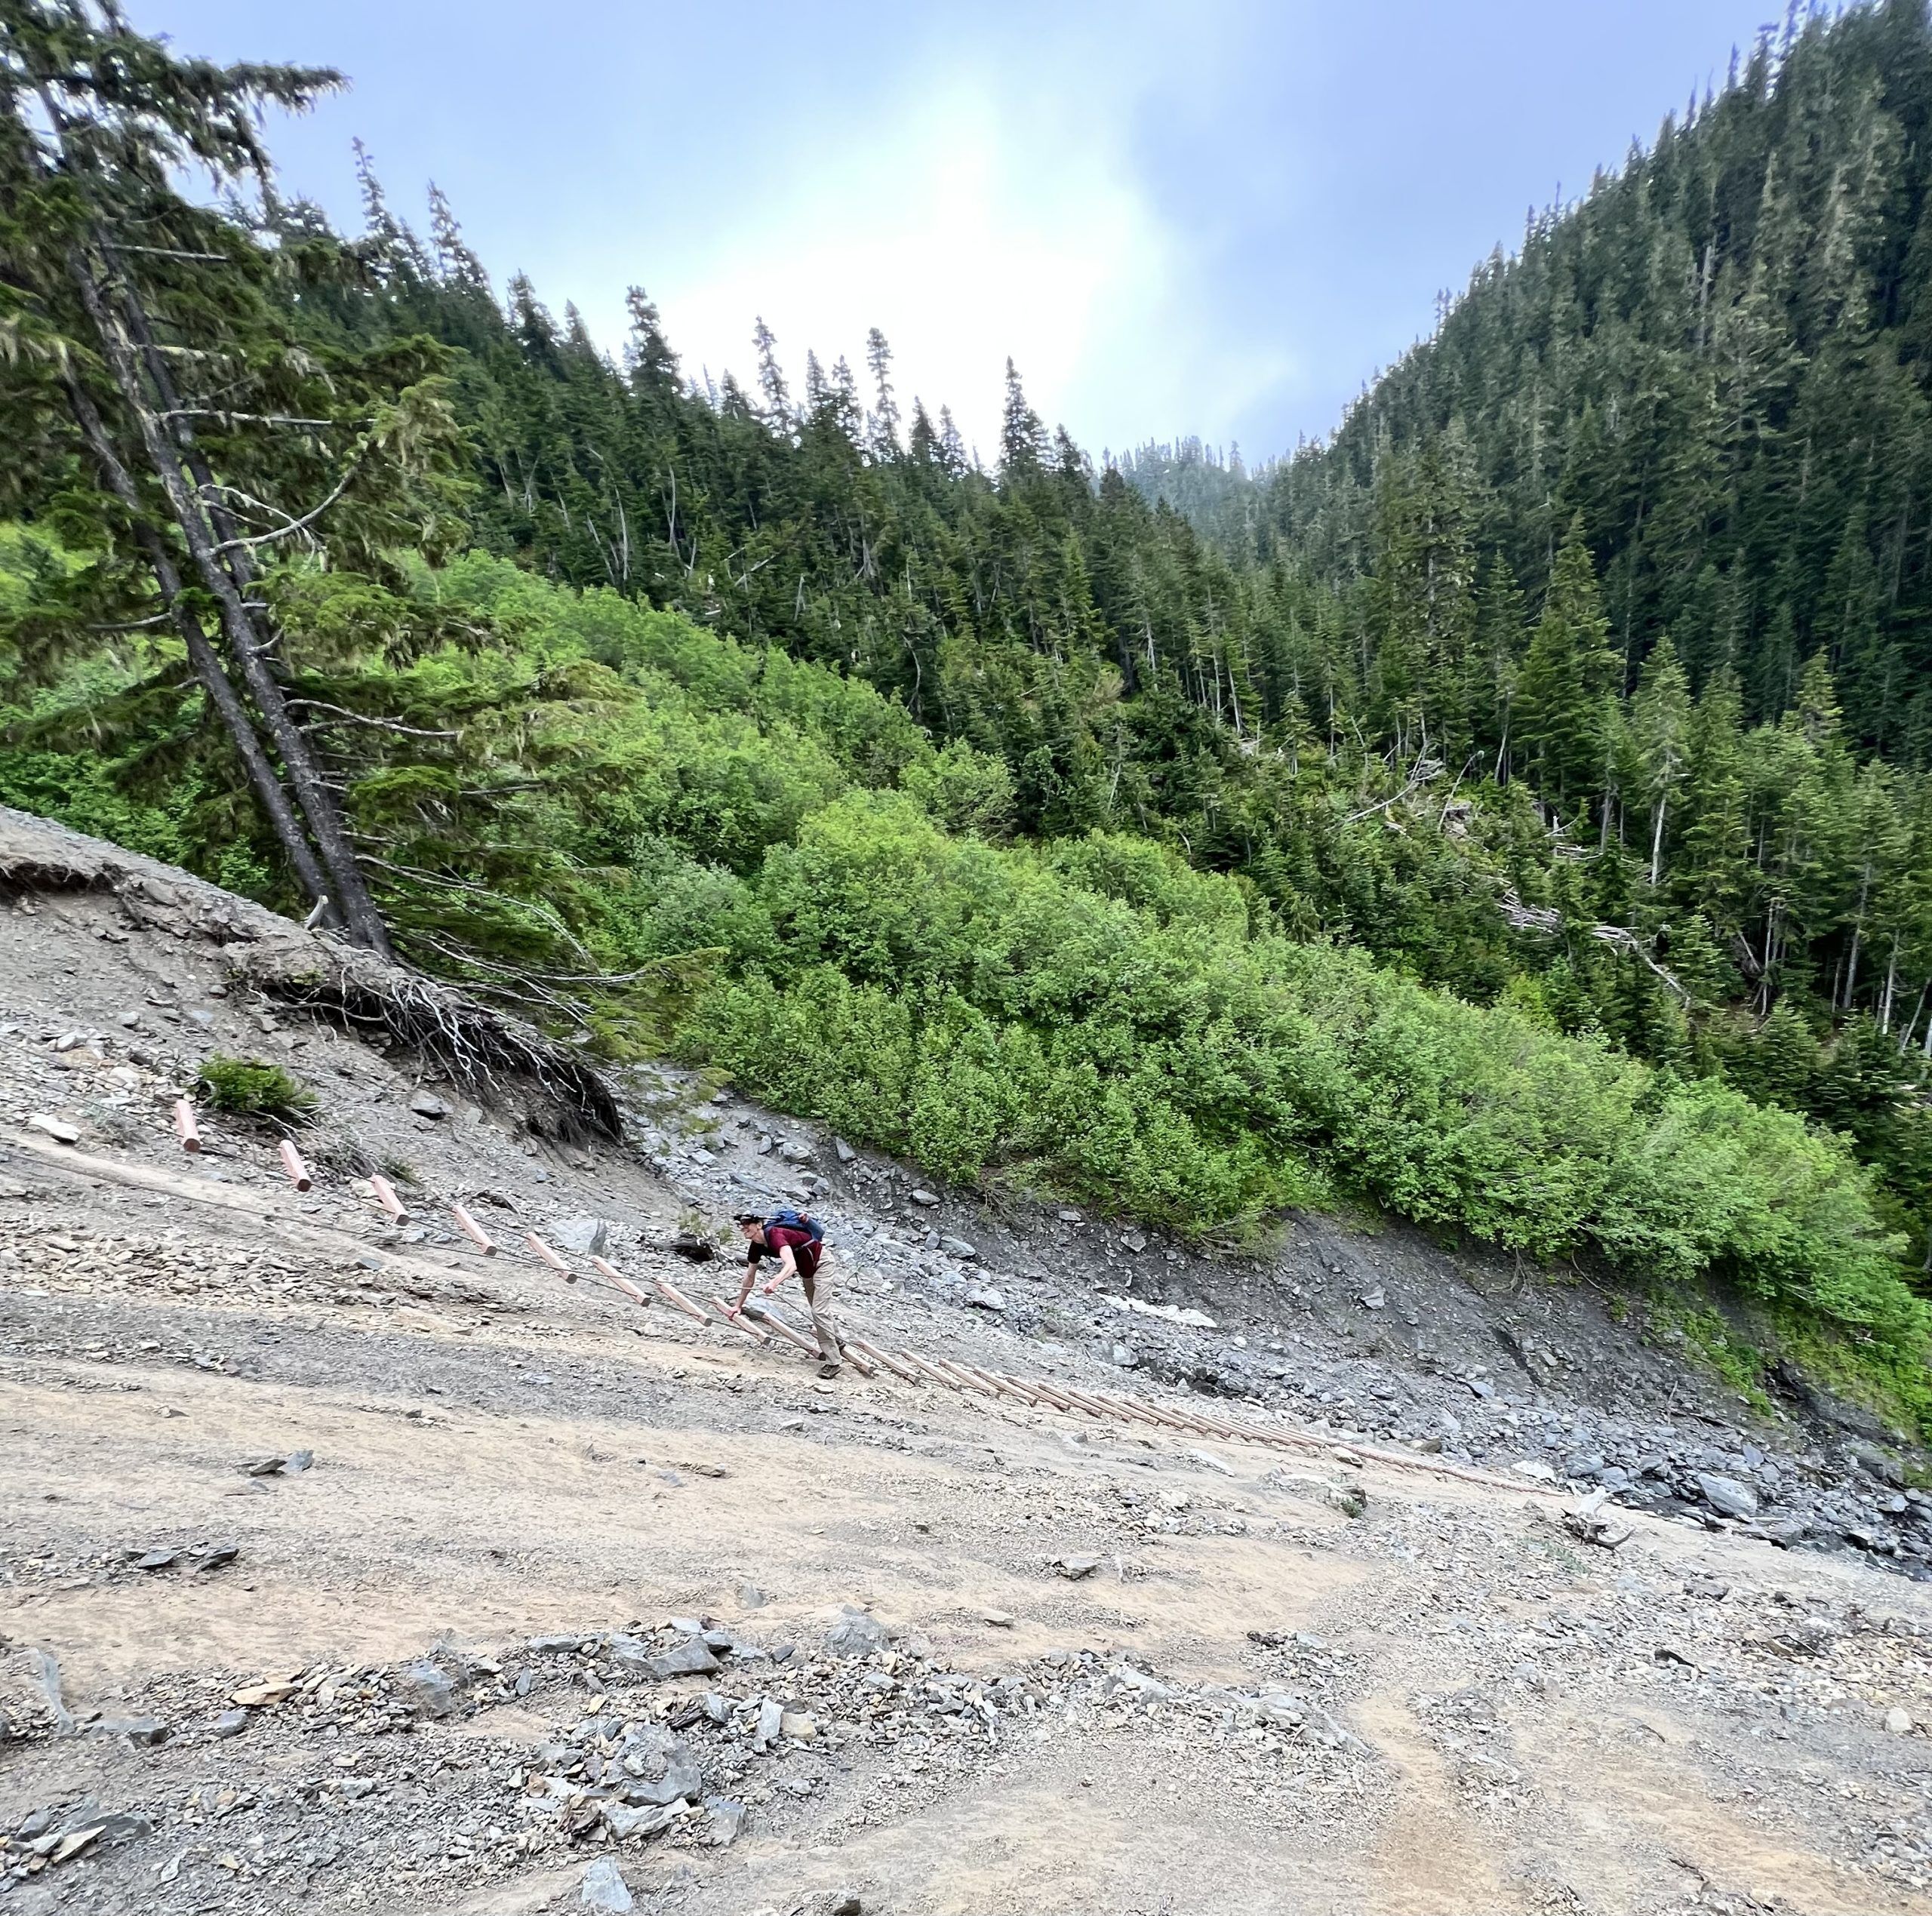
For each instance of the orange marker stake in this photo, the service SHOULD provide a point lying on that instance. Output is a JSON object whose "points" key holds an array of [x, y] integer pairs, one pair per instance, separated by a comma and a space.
{"points": [[549, 1256], [291, 1162], [184, 1125], [474, 1231], [385, 1196]]}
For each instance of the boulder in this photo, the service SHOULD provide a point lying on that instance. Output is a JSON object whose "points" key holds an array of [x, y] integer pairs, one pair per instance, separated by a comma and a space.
{"points": [[1728, 1496]]}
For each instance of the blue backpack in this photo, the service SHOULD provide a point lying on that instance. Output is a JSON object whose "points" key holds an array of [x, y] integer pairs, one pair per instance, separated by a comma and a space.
{"points": [[792, 1220]]}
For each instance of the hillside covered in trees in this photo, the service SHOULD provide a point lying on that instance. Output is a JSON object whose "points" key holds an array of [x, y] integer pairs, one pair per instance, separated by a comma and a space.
{"points": [[1024, 818]]}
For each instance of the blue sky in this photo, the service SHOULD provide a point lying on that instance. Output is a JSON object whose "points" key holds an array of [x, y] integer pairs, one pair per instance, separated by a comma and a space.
{"points": [[1219, 218]]}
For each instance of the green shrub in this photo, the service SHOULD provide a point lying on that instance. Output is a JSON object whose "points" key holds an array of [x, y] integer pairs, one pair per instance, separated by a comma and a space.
{"points": [[247, 1087]]}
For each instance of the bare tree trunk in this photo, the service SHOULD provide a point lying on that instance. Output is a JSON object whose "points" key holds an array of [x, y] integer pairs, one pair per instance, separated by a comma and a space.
{"points": [[245, 646], [1656, 840], [222, 695]]}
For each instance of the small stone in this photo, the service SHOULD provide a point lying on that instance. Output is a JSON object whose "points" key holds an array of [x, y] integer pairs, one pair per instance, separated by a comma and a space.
{"points": [[1898, 1722], [985, 1299], [429, 1686], [230, 1723], [1479, 1387], [296, 1462], [1728, 1496], [799, 1725], [846, 1153], [144, 1732], [426, 1104], [157, 1560], [602, 1888], [922, 1196], [1001, 1619], [1069, 1217], [1374, 1300], [750, 1597], [58, 1129], [589, 1237], [1135, 1240], [726, 1820], [794, 1152], [1074, 1568], [771, 1720], [958, 1247]]}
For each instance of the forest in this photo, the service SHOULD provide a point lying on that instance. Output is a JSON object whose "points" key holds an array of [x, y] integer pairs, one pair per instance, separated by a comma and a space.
{"points": [[1513, 812]]}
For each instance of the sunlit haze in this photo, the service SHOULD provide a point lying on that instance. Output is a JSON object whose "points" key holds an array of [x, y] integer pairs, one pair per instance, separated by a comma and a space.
{"points": [[1217, 220]]}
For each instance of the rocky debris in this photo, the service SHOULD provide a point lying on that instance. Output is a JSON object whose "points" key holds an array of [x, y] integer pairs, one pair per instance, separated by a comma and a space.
{"points": [[986, 1298], [846, 1154], [426, 1104], [57, 1835], [1898, 1722], [920, 1195], [58, 1129], [1075, 1567]]}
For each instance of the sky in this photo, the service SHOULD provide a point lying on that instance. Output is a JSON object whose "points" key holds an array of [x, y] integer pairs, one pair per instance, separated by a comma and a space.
{"points": [[1217, 218]]}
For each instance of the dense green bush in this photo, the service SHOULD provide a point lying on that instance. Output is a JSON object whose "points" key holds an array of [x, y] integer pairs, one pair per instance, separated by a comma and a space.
{"points": [[247, 1088], [1147, 1037]]}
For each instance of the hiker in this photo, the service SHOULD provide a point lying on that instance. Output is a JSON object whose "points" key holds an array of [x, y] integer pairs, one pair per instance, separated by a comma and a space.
{"points": [[797, 1244]]}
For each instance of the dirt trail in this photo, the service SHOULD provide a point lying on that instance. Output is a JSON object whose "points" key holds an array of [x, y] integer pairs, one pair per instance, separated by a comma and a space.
{"points": [[524, 1495]]}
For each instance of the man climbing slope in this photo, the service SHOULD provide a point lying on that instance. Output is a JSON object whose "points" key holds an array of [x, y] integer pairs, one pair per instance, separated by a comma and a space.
{"points": [[797, 1244]]}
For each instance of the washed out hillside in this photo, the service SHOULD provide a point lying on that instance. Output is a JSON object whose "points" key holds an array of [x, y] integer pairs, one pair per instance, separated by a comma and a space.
{"points": [[1359, 1035]]}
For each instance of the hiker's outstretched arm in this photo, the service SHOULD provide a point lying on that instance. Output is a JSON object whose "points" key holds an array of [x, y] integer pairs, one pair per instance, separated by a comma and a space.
{"points": [[788, 1267]]}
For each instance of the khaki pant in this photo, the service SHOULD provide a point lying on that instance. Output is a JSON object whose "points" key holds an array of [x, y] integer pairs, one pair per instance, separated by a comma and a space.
{"points": [[818, 1301]]}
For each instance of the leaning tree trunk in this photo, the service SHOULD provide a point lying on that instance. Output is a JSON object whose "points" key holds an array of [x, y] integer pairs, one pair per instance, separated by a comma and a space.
{"points": [[222, 695], [245, 645]]}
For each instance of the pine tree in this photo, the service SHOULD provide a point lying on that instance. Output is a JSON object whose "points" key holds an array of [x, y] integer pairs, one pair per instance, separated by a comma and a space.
{"points": [[1570, 671]]}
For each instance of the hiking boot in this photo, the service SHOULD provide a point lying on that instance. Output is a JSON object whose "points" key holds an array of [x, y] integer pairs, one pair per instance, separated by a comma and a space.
{"points": [[828, 1370]]}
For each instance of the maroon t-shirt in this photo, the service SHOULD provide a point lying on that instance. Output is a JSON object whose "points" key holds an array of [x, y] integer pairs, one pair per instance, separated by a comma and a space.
{"points": [[780, 1238]]}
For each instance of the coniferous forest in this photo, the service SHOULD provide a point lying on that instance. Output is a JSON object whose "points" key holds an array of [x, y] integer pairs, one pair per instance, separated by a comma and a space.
{"points": [[1513, 811]]}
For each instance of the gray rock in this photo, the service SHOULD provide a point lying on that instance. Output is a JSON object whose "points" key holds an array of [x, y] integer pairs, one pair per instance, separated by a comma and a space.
{"points": [[1074, 1568], [1069, 1217], [693, 1659], [751, 1597], [726, 1821], [922, 1196], [623, 1822], [589, 1237], [428, 1687], [144, 1732], [230, 1723], [770, 1719], [602, 1888], [1898, 1722], [1875, 1462], [661, 1766], [426, 1104], [958, 1247], [1135, 1240], [794, 1152], [1728, 1496], [986, 1299], [846, 1155], [856, 1634]]}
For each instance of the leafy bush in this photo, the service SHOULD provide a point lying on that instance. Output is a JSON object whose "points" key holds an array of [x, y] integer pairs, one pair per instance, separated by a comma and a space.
{"points": [[247, 1087]]}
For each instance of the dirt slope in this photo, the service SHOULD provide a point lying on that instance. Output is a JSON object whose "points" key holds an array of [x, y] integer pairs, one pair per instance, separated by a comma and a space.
{"points": [[459, 1629]]}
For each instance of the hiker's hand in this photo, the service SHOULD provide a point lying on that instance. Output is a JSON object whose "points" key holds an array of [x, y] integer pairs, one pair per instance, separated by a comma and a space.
{"points": [[773, 1286]]}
